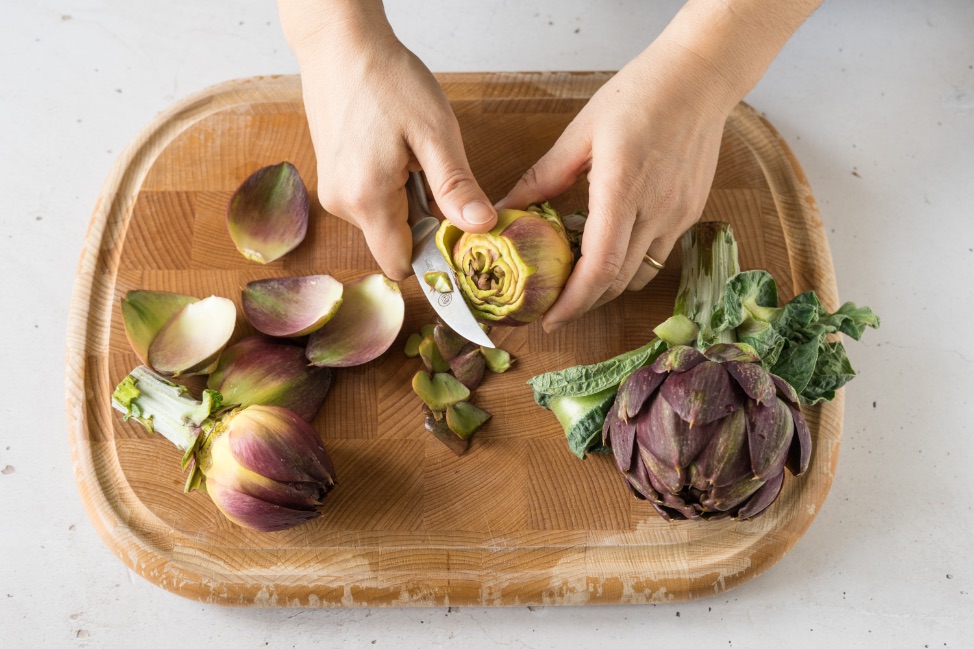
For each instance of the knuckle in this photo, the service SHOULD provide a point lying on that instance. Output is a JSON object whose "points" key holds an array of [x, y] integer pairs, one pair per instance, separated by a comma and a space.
{"points": [[452, 182], [529, 179], [608, 266], [619, 285]]}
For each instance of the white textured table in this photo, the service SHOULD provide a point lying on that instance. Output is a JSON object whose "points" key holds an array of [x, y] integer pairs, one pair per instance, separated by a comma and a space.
{"points": [[875, 98]]}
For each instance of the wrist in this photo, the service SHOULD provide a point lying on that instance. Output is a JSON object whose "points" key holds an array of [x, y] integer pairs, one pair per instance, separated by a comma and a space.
{"points": [[731, 43], [310, 25]]}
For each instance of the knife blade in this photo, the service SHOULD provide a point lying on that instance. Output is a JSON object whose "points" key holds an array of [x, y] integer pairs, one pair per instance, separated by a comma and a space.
{"points": [[427, 258]]}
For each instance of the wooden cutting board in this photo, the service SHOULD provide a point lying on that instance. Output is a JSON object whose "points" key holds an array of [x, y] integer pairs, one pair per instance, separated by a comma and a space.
{"points": [[517, 520]]}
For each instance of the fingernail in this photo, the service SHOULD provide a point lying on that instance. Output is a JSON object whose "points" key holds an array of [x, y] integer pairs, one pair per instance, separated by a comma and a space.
{"points": [[477, 213], [550, 327]]}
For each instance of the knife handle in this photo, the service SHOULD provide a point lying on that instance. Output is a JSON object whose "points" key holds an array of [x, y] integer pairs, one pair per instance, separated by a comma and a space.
{"points": [[421, 221]]}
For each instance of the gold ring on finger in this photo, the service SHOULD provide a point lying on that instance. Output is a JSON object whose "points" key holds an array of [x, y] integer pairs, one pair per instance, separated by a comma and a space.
{"points": [[652, 262]]}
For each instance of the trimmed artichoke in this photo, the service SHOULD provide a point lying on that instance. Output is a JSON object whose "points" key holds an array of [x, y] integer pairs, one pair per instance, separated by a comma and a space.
{"points": [[707, 434], [265, 468], [512, 274]]}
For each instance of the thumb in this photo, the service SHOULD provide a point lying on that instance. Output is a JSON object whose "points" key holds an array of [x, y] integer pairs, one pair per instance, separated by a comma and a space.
{"points": [[454, 188]]}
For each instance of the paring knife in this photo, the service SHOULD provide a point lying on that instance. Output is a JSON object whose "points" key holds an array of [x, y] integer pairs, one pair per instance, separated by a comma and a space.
{"points": [[427, 258]]}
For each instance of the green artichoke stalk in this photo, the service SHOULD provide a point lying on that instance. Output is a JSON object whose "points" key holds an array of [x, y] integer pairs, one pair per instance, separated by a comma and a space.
{"points": [[264, 467], [707, 434], [512, 274]]}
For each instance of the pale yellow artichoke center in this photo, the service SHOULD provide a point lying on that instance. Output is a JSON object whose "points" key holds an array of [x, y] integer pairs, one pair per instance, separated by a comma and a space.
{"points": [[492, 275]]}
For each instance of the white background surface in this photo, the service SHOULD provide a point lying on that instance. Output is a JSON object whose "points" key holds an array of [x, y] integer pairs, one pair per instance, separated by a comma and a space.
{"points": [[885, 89]]}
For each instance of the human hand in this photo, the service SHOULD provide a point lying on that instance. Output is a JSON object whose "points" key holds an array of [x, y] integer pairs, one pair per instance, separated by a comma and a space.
{"points": [[649, 140], [376, 113]]}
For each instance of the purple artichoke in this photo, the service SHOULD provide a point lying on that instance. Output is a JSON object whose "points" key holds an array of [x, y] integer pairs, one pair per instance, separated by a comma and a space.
{"points": [[707, 434], [265, 468]]}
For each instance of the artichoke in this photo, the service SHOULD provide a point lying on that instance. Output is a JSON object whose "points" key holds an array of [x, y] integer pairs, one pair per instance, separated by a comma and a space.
{"points": [[707, 434], [263, 466], [512, 274]]}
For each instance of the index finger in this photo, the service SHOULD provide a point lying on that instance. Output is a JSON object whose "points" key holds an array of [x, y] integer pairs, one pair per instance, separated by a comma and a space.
{"points": [[604, 247]]}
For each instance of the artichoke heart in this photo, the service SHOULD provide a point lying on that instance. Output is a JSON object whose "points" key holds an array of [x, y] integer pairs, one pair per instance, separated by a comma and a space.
{"points": [[512, 274]]}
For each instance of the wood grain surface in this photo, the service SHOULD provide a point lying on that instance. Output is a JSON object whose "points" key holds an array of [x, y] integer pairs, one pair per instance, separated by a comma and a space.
{"points": [[517, 520]]}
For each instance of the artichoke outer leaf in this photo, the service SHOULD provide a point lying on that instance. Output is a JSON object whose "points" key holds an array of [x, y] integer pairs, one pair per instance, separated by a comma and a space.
{"points": [[363, 328], [676, 503], [442, 432], [702, 395], [191, 341], [432, 359], [636, 389], [465, 419], [681, 358], [726, 459], [753, 379], [448, 341], [277, 443], [267, 216], [762, 498], [800, 452], [439, 281], [145, 313], [620, 434], [731, 352], [411, 350], [638, 479], [258, 370], [785, 389], [289, 307], [498, 361], [662, 476], [668, 437], [724, 499], [248, 511], [468, 367], [769, 433], [439, 390]]}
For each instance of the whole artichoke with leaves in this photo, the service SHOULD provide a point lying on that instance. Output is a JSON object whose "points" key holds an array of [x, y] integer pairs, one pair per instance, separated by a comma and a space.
{"points": [[707, 434]]}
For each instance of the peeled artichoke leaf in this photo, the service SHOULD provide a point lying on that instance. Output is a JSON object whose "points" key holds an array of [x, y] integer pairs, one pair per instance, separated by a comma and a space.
{"points": [[145, 313], [365, 326], [192, 340], [291, 306], [268, 214]]}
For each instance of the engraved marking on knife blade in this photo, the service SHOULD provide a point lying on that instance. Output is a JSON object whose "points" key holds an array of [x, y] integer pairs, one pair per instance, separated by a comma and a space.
{"points": [[445, 299]]}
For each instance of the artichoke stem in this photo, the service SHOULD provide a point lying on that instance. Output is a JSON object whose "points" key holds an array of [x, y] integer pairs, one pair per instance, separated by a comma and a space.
{"points": [[709, 260], [164, 407]]}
